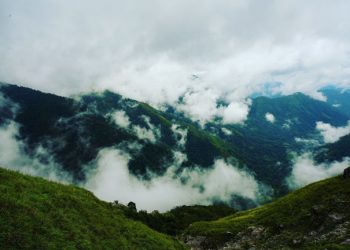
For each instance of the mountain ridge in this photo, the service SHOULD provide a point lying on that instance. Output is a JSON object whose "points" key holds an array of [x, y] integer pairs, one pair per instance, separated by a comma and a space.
{"points": [[74, 131]]}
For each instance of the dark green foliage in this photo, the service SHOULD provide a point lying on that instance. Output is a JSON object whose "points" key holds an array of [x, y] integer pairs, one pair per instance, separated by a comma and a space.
{"points": [[152, 157], [334, 151], [38, 214], [74, 130], [310, 209], [175, 221], [36, 110], [265, 146], [201, 150]]}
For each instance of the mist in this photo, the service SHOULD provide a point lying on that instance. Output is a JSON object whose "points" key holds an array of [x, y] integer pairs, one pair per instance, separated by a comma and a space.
{"points": [[332, 134], [306, 170], [111, 180], [40, 163]]}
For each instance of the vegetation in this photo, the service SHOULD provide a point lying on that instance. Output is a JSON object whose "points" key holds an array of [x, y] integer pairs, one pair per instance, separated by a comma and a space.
{"points": [[297, 220], [334, 151], [38, 214], [264, 146], [84, 123], [175, 221]]}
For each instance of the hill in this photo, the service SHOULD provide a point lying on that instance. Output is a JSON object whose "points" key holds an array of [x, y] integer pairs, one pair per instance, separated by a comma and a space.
{"points": [[314, 217], [38, 214]]}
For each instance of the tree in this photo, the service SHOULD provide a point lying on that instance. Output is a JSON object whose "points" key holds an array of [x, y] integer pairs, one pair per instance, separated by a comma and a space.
{"points": [[132, 206]]}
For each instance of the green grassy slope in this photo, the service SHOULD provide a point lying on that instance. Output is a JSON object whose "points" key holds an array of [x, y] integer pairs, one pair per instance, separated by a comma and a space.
{"points": [[310, 218], [38, 214]]}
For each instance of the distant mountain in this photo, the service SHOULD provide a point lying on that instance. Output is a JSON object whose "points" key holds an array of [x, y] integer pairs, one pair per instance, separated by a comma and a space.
{"points": [[314, 217], [73, 131], [265, 145], [38, 214], [334, 151], [338, 98]]}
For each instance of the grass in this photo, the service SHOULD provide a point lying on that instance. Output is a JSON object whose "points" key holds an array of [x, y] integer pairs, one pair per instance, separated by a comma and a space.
{"points": [[295, 213], [38, 214]]}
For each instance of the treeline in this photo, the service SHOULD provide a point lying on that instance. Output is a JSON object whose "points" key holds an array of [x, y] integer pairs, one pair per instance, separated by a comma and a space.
{"points": [[175, 221]]}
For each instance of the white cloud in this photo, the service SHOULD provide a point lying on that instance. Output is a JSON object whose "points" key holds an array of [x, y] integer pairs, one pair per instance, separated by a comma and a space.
{"points": [[226, 131], [13, 156], [144, 134], [200, 104], [121, 119], [270, 117], [306, 171], [332, 134], [235, 112], [112, 181], [149, 51], [151, 134], [180, 135]]}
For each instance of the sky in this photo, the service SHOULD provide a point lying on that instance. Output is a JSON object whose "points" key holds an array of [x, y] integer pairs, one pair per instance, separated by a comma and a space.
{"points": [[157, 51]]}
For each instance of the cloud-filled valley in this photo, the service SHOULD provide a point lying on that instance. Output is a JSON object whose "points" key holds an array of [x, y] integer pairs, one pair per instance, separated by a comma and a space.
{"points": [[111, 181]]}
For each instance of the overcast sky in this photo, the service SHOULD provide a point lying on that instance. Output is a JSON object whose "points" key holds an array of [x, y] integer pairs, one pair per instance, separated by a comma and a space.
{"points": [[150, 50]]}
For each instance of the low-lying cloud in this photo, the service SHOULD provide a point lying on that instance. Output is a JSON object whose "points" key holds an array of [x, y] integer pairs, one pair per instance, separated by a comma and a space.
{"points": [[121, 119], [111, 180], [332, 134], [151, 134], [202, 105], [13, 156], [306, 171], [270, 117]]}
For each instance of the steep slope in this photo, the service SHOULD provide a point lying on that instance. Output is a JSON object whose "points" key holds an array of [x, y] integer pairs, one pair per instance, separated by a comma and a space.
{"points": [[74, 130], [314, 217], [38, 214]]}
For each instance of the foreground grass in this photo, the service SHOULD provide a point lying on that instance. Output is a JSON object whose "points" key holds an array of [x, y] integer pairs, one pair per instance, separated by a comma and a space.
{"points": [[38, 214]]}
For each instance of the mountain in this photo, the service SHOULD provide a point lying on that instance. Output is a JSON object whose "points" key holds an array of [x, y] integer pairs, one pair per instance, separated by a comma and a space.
{"points": [[74, 130], [38, 214], [71, 132], [334, 151], [338, 98], [314, 217], [264, 145]]}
